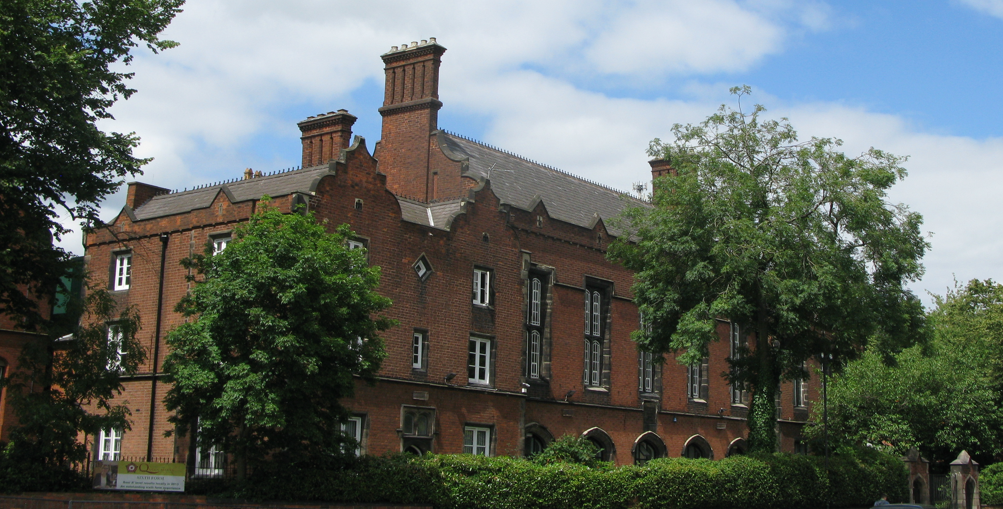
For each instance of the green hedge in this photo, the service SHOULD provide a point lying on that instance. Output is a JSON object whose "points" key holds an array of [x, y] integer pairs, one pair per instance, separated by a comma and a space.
{"points": [[991, 484], [858, 478]]}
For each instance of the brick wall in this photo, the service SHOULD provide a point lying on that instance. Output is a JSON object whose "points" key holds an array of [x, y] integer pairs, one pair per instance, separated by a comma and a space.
{"points": [[485, 234]]}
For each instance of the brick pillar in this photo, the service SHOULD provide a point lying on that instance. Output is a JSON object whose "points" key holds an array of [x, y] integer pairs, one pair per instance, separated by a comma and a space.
{"points": [[139, 193], [919, 477], [325, 135], [410, 113], [965, 483]]}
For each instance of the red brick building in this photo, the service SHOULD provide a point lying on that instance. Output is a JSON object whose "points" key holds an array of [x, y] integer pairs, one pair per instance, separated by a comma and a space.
{"points": [[514, 328]]}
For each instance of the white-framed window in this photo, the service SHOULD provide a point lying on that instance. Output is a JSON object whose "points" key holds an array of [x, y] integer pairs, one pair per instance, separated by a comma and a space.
{"points": [[696, 380], [479, 361], [645, 372], [595, 326], [422, 267], [739, 391], [353, 428], [536, 291], [482, 287], [122, 278], [116, 347], [209, 462], [534, 354], [110, 445], [219, 244], [596, 315], [419, 341], [355, 244], [476, 440], [800, 392]]}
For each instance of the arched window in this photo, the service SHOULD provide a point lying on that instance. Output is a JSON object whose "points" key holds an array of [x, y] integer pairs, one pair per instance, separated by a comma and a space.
{"points": [[537, 438], [534, 302], [607, 451], [647, 447], [588, 313], [737, 447], [596, 307], [697, 447]]}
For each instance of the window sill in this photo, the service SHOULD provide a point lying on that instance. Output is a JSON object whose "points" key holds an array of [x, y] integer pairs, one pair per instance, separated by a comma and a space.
{"points": [[597, 389], [649, 395], [478, 385], [698, 401]]}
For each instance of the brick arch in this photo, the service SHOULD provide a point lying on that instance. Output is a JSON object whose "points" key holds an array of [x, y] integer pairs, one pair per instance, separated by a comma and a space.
{"points": [[737, 446], [697, 446], [652, 439], [599, 436]]}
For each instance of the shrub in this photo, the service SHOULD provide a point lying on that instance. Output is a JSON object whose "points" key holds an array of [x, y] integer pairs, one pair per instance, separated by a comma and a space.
{"points": [[18, 476], [570, 449], [991, 484], [558, 480]]}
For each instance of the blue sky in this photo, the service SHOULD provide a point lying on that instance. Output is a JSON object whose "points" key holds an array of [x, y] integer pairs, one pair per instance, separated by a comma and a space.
{"points": [[584, 85]]}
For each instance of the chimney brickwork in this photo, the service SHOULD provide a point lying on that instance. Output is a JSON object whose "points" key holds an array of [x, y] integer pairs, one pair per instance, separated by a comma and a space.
{"points": [[325, 135], [140, 193], [410, 114]]}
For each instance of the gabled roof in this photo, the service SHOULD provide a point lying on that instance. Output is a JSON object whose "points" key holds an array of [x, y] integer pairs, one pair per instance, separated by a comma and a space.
{"points": [[523, 184], [278, 184]]}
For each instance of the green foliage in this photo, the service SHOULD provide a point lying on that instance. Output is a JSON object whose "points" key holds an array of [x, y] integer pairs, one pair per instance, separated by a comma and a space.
{"points": [[275, 339], [18, 476], [941, 398], [60, 76], [791, 239], [763, 481], [570, 449], [57, 379], [991, 484]]}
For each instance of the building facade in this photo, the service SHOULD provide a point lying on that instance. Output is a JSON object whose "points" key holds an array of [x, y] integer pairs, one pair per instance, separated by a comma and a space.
{"points": [[513, 330]]}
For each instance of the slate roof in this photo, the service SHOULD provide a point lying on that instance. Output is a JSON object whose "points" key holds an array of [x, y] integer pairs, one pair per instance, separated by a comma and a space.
{"points": [[278, 184], [516, 181], [520, 183]]}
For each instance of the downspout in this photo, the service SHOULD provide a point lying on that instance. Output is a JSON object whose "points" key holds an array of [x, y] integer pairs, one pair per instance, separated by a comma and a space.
{"points": [[164, 237]]}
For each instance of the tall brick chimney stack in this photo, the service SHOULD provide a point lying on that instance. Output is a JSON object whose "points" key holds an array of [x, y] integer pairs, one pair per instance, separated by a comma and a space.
{"points": [[661, 168], [325, 135], [410, 113]]}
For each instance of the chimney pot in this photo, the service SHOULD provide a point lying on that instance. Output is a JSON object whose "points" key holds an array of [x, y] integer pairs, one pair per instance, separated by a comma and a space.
{"points": [[424, 42], [257, 173], [393, 48], [248, 173], [431, 40], [414, 43], [342, 111]]}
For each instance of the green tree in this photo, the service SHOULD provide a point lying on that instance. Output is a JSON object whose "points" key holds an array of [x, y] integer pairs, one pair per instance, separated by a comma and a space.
{"points": [[941, 398], [281, 322], [791, 239], [59, 78], [60, 381]]}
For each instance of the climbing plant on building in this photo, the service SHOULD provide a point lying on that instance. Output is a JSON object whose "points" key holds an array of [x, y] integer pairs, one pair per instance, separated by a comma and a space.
{"points": [[791, 239]]}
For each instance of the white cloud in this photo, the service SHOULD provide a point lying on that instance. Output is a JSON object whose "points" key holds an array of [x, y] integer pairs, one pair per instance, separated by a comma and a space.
{"points": [[990, 7], [682, 36], [520, 68]]}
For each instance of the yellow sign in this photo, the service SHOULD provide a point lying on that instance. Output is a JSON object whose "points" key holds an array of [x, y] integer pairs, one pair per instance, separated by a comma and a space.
{"points": [[139, 475]]}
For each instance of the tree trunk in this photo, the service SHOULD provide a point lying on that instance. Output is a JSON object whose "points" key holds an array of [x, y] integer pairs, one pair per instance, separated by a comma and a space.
{"points": [[241, 453], [763, 409]]}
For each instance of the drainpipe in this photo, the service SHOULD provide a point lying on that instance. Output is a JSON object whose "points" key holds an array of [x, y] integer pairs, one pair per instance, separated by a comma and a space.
{"points": [[164, 237]]}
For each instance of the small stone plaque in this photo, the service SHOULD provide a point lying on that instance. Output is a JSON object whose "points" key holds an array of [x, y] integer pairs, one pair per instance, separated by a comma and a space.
{"points": [[420, 395]]}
